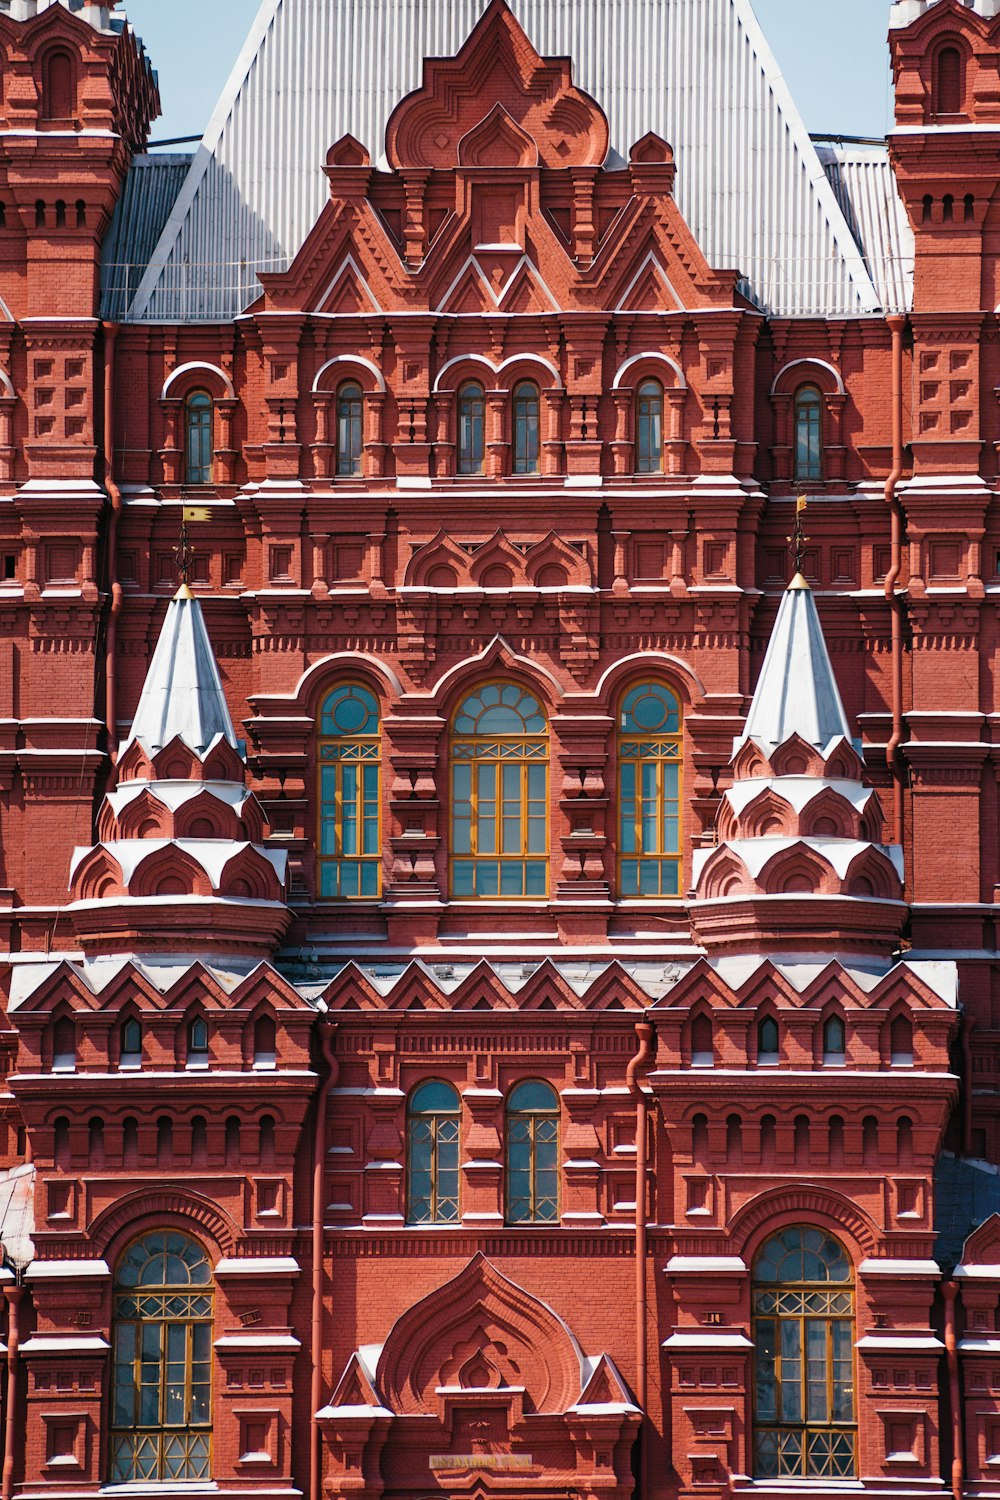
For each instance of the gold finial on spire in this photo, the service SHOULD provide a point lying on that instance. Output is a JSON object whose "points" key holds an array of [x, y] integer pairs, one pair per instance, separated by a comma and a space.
{"points": [[183, 551], [797, 544]]}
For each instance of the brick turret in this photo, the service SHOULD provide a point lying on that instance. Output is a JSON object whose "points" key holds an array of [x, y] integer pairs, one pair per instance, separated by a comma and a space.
{"points": [[179, 866]]}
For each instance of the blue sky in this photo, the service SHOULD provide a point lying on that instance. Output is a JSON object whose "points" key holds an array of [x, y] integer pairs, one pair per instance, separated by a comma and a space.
{"points": [[832, 53]]}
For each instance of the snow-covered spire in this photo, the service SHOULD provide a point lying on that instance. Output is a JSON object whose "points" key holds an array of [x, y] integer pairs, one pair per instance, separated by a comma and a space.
{"points": [[180, 866], [799, 865], [797, 692], [182, 696]]}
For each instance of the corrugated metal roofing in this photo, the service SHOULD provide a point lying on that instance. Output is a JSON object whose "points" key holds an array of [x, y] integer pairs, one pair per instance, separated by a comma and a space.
{"points": [[143, 209], [697, 71], [866, 189]]}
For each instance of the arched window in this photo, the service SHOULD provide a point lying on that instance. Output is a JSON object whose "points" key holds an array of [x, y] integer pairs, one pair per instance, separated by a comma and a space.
{"points": [[702, 1041], [901, 1042], [58, 86], [532, 1154], [432, 1120], [803, 1328], [130, 1043], [471, 414], [808, 433], [526, 422], [350, 843], [265, 1043], [199, 438], [162, 1408], [767, 1040], [64, 1045], [649, 792], [649, 428], [197, 1042], [834, 1039], [950, 90], [499, 794], [350, 427]]}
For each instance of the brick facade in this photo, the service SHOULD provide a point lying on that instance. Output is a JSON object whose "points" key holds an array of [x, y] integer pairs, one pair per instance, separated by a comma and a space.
{"points": [[833, 892]]}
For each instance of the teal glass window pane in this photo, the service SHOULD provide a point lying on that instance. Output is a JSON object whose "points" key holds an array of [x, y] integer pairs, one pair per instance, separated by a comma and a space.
{"points": [[350, 416], [471, 412]]}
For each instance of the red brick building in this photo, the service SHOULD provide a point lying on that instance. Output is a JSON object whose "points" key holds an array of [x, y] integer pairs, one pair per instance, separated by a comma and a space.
{"points": [[500, 993]]}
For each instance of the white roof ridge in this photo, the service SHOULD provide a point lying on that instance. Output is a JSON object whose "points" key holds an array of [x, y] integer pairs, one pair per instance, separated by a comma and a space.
{"points": [[805, 235]]}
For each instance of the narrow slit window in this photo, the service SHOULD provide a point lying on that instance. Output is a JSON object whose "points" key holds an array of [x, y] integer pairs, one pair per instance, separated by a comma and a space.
{"points": [[808, 434], [350, 845], [350, 427], [649, 793], [199, 445], [526, 425], [649, 428], [471, 424]]}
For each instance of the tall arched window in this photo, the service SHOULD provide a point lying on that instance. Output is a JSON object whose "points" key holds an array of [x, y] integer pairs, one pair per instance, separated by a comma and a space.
{"points": [[950, 81], [350, 843], [526, 424], [649, 792], [58, 86], [432, 1121], [350, 425], [471, 415], [499, 794], [649, 428], [532, 1154], [199, 438], [808, 433], [161, 1426], [803, 1326]]}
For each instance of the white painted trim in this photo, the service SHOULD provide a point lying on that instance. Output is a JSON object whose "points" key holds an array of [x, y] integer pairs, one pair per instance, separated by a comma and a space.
{"points": [[660, 269], [663, 359], [471, 261], [462, 359], [349, 263], [531, 666], [347, 659], [187, 369], [5, 380], [257, 1265], [644, 658], [49, 1269], [817, 364], [532, 359], [349, 359]]}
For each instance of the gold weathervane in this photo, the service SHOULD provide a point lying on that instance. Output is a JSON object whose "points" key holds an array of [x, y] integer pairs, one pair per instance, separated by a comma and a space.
{"points": [[797, 540], [190, 514]]}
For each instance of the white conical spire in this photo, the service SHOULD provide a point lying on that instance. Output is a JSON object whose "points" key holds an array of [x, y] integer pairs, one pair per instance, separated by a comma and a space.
{"points": [[182, 696], [797, 692]]}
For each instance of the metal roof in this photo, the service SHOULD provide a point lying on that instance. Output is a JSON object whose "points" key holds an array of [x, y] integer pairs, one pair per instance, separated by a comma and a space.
{"points": [[143, 209], [182, 695], [867, 191], [699, 72], [796, 692]]}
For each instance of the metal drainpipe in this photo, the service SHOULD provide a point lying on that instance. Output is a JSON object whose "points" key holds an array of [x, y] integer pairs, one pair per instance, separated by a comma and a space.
{"points": [[954, 1390], [897, 326], [13, 1294], [329, 1072], [114, 582], [642, 1095]]}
